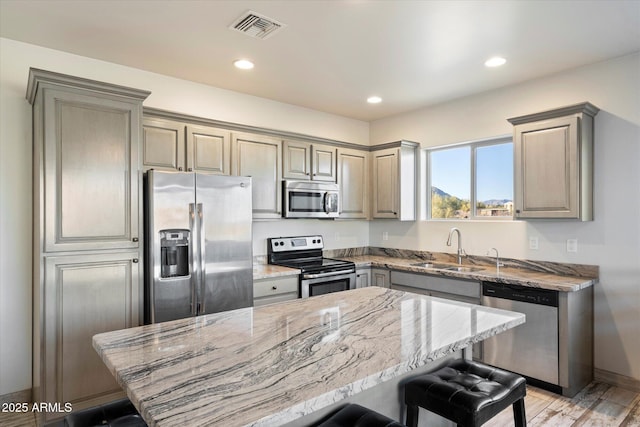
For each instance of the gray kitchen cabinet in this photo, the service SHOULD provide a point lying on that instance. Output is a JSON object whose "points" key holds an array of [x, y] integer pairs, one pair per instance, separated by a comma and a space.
{"points": [[272, 290], [395, 181], [363, 277], [380, 277], [82, 295], [85, 166], [553, 154], [208, 150], [171, 145], [87, 219], [260, 157], [307, 161], [163, 146], [353, 179]]}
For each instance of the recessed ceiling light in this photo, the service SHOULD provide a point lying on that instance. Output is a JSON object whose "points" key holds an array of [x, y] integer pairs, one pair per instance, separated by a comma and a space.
{"points": [[374, 100], [243, 64], [496, 61]]}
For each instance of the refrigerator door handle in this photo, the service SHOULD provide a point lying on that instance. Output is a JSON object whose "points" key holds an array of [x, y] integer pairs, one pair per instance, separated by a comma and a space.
{"points": [[200, 289], [193, 255]]}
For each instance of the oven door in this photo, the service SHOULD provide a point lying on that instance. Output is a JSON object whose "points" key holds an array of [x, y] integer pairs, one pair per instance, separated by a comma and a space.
{"points": [[324, 283]]}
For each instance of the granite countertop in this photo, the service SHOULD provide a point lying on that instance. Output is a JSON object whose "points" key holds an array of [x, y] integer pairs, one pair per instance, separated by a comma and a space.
{"points": [[266, 271], [508, 275], [269, 365]]}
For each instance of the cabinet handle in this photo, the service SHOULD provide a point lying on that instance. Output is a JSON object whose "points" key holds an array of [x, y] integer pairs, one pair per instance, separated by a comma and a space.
{"points": [[275, 288], [307, 173], [395, 213], [135, 239], [180, 168], [135, 260], [190, 170]]}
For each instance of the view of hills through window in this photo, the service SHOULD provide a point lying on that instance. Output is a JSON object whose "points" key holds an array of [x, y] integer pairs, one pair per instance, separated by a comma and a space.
{"points": [[452, 181]]}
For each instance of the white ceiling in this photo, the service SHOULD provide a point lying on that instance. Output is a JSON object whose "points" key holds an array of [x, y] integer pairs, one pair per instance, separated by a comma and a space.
{"points": [[333, 54]]}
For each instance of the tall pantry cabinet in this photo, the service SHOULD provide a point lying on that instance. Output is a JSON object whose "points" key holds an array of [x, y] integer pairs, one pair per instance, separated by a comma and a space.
{"points": [[87, 232]]}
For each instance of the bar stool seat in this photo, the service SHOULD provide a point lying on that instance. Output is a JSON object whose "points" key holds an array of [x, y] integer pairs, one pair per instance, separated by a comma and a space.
{"points": [[120, 413], [354, 415], [467, 393]]}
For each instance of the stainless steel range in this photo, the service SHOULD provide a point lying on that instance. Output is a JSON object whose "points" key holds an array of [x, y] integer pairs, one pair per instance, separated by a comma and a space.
{"points": [[319, 275]]}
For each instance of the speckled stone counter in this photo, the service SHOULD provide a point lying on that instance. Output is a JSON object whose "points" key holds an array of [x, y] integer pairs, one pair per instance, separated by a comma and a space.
{"points": [[271, 365], [265, 271], [538, 274]]}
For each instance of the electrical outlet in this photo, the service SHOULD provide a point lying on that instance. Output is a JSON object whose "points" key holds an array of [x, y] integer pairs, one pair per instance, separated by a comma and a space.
{"points": [[385, 235], [533, 243], [572, 245]]}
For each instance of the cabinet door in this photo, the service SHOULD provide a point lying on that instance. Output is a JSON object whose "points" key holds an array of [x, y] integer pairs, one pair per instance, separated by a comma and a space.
{"points": [[323, 163], [163, 146], [208, 150], [380, 278], [353, 179], [385, 183], [363, 278], [260, 157], [297, 160], [90, 172], [546, 176], [85, 295]]}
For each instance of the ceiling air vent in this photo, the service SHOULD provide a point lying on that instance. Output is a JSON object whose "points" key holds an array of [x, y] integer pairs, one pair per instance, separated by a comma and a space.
{"points": [[255, 25]]}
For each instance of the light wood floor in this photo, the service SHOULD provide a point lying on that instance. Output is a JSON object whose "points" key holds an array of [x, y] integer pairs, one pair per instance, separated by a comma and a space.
{"points": [[597, 405]]}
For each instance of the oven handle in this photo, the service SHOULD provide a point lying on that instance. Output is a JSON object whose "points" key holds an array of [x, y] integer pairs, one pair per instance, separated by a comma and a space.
{"points": [[333, 273]]}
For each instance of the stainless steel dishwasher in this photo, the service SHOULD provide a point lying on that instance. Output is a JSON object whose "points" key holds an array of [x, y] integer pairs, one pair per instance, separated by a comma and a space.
{"points": [[530, 349]]}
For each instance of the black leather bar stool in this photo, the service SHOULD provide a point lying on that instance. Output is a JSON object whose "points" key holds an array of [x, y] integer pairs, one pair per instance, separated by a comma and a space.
{"points": [[467, 393], [354, 415], [120, 413]]}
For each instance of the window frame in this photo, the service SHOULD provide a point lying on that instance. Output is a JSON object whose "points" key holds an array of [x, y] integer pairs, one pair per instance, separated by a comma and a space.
{"points": [[473, 145]]}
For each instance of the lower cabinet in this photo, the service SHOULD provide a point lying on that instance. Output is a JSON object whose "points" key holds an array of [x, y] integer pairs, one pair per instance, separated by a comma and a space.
{"points": [[380, 277], [363, 277], [272, 290], [468, 291], [80, 296], [372, 277]]}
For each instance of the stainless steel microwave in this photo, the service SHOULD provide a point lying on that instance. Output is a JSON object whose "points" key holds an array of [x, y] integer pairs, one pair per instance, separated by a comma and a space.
{"points": [[308, 199]]}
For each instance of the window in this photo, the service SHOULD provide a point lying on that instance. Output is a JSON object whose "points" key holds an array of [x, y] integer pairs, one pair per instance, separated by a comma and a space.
{"points": [[473, 180]]}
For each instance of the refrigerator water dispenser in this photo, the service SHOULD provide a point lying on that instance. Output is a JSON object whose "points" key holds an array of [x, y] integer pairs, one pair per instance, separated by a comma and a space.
{"points": [[174, 253]]}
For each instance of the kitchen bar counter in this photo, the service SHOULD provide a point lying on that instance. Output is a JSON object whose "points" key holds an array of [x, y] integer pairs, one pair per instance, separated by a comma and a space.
{"points": [[270, 365]]}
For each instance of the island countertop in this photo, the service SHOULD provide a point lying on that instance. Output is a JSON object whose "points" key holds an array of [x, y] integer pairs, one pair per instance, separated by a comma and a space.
{"points": [[273, 364]]}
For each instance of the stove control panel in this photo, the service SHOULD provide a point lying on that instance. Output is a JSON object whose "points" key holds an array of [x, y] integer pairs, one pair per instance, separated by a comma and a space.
{"points": [[299, 243]]}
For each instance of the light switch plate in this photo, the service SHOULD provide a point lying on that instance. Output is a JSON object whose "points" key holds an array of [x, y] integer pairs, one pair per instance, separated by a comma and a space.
{"points": [[533, 243], [385, 235], [572, 245]]}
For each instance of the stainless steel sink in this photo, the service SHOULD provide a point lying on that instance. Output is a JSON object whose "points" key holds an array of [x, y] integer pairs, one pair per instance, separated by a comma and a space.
{"points": [[431, 265], [463, 269]]}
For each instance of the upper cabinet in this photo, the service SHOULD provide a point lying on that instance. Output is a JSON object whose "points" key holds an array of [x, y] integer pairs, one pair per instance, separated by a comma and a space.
{"points": [[86, 143], [353, 179], [554, 163], [307, 161], [394, 181], [172, 145], [260, 157]]}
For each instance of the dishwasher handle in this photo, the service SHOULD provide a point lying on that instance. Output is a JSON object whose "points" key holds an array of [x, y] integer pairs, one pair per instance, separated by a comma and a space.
{"points": [[531, 295]]}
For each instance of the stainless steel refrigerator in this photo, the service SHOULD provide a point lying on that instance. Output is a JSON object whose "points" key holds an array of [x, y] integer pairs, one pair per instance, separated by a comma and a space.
{"points": [[198, 244]]}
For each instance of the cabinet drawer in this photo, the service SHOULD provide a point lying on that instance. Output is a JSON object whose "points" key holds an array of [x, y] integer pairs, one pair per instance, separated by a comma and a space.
{"points": [[467, 288], [269, 287]]}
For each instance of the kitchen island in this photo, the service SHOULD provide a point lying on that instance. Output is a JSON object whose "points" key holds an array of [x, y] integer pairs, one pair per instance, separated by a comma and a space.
{"points": [[290, 361]]}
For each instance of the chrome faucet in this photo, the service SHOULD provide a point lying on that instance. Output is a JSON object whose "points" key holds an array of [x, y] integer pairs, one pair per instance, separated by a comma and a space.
{"points": [[498, 263], [461, 251]]}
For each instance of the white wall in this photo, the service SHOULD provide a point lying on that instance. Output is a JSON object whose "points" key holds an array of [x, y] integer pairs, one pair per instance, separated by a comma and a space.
{"points": [[611, 241], [167, 93]]}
